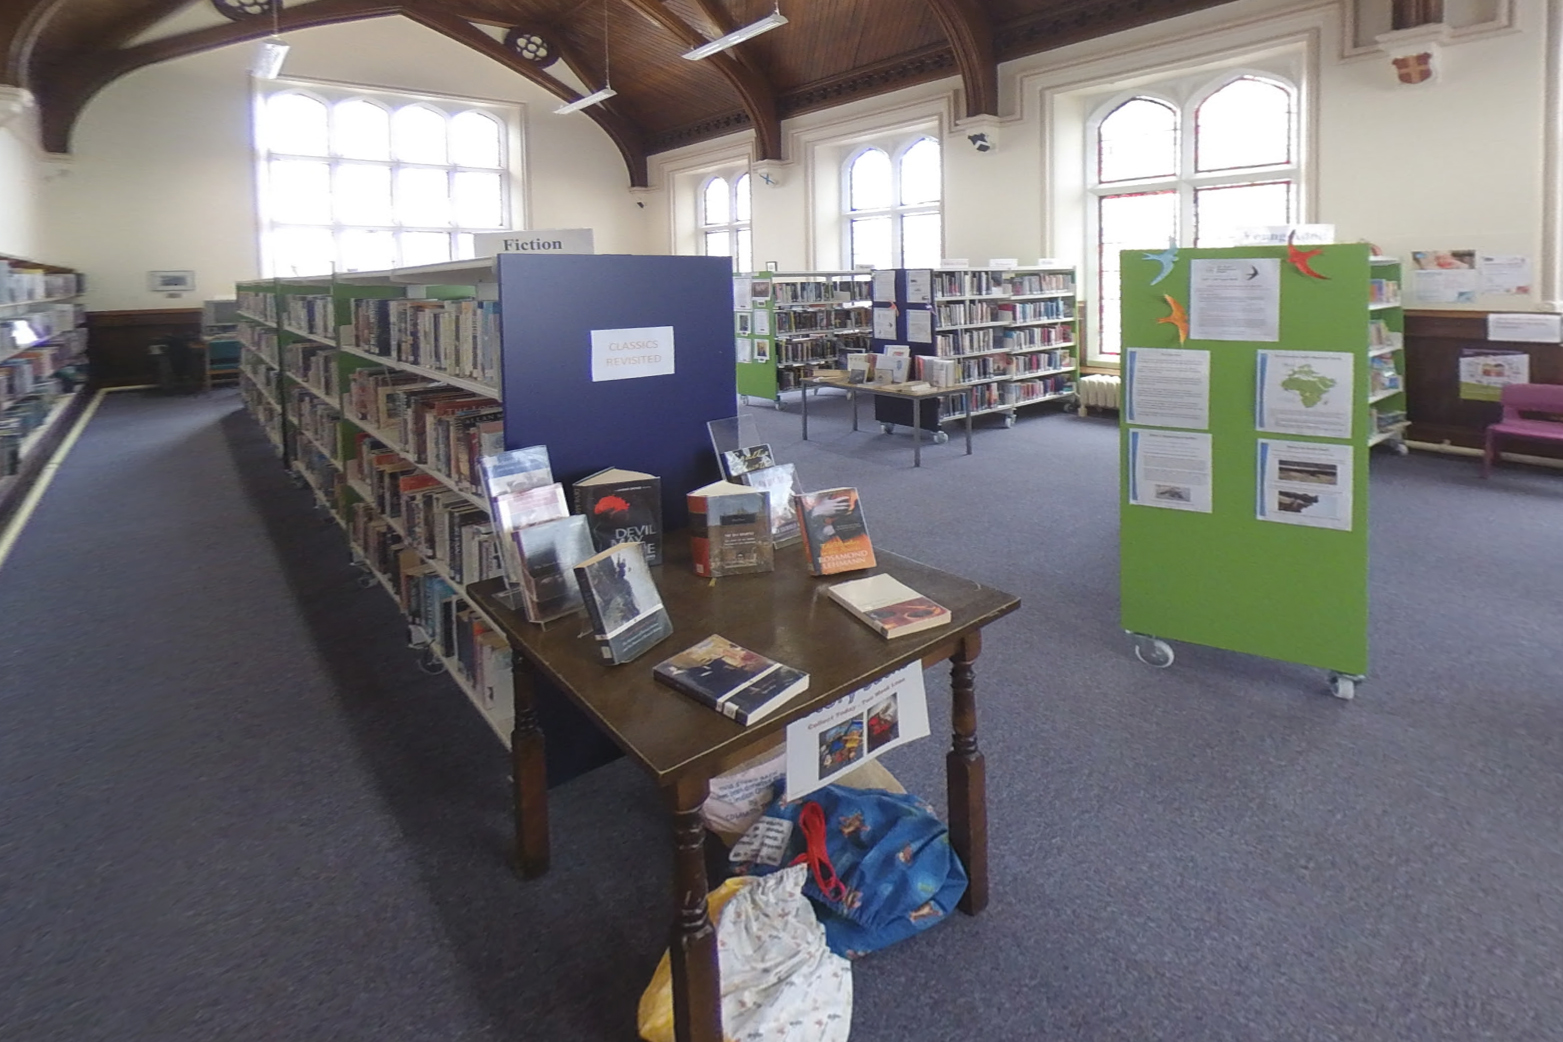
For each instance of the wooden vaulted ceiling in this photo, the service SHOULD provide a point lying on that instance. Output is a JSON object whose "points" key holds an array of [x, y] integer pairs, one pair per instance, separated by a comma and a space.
{"points": [[830, 52]]}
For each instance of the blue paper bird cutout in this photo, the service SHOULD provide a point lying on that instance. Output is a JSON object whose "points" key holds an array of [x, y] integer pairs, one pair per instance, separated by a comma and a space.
{"points": [[1167, 258]]}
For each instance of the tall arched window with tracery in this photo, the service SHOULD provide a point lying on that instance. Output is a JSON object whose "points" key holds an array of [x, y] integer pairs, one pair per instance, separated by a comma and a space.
{"points": [[726, 228], [891, 212], [1191, 168], [358, 180]]}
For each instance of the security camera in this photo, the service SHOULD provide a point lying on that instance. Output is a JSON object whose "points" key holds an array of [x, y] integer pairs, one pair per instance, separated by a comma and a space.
{"points": [[980, 142]]}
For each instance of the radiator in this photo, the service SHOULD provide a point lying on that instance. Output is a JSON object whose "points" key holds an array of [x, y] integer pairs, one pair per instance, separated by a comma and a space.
{"points": [[1099, 391]]}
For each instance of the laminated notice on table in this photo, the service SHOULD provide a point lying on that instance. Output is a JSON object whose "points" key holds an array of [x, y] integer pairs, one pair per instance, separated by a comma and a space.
{"points": [[1169, 469], [849, 732], [1305, 483]]}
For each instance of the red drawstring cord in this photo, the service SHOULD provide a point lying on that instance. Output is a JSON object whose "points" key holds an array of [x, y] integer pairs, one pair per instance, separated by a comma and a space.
{"points": [[812, 821]]}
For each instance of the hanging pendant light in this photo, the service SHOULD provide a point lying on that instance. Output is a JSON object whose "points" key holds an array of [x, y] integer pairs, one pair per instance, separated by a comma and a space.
{"points": [[607, 90], [273, 52], [771, 21]]}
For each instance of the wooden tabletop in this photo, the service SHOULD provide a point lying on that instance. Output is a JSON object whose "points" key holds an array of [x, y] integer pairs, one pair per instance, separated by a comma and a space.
{"points": [[784, 614]]}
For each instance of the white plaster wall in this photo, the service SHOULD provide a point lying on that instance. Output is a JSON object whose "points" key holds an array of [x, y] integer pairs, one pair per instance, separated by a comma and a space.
{"points": [[162, 174], [21, 176]]}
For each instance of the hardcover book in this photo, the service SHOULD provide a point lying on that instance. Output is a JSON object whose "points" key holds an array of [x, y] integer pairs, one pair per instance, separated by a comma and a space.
{"points": [[549, 553], [781, 481], [889, 606], [622, 599], [738, 462], [622, 506], [834, 532], [738, 683], [730, 529]]}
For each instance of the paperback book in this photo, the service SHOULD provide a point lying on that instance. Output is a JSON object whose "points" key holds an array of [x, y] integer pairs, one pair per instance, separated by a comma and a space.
{"points": [[622, 506], [889, 606], [781, 482], [738, 462], [622, 599], [834, 532], [730, 529], [740, 684], [549, 553]]}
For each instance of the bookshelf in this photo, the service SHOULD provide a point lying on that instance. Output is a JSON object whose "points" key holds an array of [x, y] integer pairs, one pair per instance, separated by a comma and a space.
{"points": [[1001, 338], [43, 344], [788, 324], [1387, 420]]}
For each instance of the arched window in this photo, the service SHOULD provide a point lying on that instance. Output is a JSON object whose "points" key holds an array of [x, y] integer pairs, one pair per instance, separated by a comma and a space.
{"points": [[355, 180], [1192, 170], [891, 215], [725, 224]]}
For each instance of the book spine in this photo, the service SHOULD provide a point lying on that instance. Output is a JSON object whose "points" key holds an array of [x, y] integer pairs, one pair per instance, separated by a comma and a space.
{"points": [[591, 602], [699, 536]]}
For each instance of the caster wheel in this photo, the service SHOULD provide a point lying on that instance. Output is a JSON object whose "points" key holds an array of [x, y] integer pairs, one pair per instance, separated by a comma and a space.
{"points": [[1343, 686], [1401, 448], [1154, 652], [744, 398], [1009, 419], [781, 406], [888, 428], [940, 437]]}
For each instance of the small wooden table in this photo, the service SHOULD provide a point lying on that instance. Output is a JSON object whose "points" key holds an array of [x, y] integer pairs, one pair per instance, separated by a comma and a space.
{"points": [[783, 614], [900, 391]]}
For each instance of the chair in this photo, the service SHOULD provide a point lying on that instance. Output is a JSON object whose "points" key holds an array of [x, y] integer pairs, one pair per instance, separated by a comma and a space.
{"points": [[1526, 398], [222, 361]]}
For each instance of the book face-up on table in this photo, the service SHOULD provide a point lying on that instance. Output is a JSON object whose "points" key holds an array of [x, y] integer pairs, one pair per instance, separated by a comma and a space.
{"points": [[834, 532], [623, 601], [622, 506], [738, 683], [730, 529], [889, 606]]}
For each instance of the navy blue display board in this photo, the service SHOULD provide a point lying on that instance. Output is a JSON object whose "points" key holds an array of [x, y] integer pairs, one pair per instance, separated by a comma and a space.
{"points": [[549, 307], [897, 410]]}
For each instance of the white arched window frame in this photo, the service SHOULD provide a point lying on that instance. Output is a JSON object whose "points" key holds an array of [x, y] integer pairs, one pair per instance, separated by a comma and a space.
{"points": [[726, 206], [412, 188], [1188, 206], [898, 220]]}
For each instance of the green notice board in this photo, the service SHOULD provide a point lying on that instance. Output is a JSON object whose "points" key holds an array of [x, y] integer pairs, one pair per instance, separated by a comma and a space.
{"points": [[1227, 579]]}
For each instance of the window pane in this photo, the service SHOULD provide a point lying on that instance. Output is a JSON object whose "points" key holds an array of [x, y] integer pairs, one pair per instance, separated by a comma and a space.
{"points": [[745, 259], [301, 251], [715, 208], [295, 124], [300, 191], [361, 130], [419, 135], [869, 184], [425, 248], [718, 244], [871, 242], [479, 199], [475, 140], [920, 173], [1220, 212], [1138, 139], [364, 249], [920, 240], [363, 194], [466, 246], [741, 199], [1246, 123], [423, 197], [1147, 221]]}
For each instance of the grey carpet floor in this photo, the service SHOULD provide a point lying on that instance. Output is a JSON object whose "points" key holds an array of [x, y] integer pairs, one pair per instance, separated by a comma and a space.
{"points": [[232, 807]]}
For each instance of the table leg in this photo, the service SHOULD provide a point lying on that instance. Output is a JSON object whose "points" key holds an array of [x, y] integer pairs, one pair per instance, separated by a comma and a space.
{"points": [[968, 428], [966, 773], [853, 393], [805, 410], [917, 432], [697, 986], [529, 774]]}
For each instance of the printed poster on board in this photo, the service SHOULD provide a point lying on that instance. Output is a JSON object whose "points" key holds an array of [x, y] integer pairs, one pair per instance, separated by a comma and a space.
{"points": [[1484, 372], [1306, 392], [1305, 483], [1170, 469]]}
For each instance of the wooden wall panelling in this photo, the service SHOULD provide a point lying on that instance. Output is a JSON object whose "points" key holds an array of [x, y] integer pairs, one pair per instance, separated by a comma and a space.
{"points": [[117, 343]]}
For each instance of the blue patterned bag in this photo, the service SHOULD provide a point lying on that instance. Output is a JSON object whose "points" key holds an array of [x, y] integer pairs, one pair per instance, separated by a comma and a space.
{"points": [[881, 867]]}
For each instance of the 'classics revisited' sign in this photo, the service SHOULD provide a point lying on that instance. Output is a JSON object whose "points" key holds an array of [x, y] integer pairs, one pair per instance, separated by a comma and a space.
{"points": [[627, 354]]}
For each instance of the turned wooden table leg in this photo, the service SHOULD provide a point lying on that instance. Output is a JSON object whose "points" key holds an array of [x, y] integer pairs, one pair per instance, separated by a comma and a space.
{"points": [[529, 774], [697, 988], [967, 778]]}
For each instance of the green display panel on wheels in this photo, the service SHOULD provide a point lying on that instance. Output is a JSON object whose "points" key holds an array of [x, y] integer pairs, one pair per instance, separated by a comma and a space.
{"points": [[1226, 578]]}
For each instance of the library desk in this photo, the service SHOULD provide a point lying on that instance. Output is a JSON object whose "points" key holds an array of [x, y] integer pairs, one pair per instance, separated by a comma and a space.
{"points": [[898, 391], [786, 615]]}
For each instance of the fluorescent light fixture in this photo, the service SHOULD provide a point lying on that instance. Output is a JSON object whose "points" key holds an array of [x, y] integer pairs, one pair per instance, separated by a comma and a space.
{"points": [[268, 60], [591, 99], [737, 36]]}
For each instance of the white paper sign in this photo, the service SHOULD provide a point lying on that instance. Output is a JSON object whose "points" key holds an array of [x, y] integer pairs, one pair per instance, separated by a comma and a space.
{"points": [[1238, 299], [1520, 327], [1277, 234], [628, 354], [1168, 387], [745, 350], [1305, 483], [849, 732], [919, 326], [884, 323], [919, 285], [1504, 274], [1169, 469], [542, 240], [884, 285], [742, 295], [1306, 392], [760, 322]]}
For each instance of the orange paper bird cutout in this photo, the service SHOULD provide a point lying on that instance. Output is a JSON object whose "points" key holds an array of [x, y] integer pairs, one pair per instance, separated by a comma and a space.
{"points": [[1299, 258], [1179, 319]]}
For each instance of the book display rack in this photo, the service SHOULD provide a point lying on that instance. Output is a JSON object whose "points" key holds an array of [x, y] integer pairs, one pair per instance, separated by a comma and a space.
{"points": [[43, 343], [787, 325], [1387, 419], [1000, 338]]}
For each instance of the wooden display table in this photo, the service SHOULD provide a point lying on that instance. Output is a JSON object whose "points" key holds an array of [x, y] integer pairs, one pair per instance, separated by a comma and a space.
{"points": [[903, 392], [785, 615]]}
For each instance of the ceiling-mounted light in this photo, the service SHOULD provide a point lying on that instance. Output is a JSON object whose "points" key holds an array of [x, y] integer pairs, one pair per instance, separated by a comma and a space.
{"points": [[268, 60], [580, 103], [738, 36]]}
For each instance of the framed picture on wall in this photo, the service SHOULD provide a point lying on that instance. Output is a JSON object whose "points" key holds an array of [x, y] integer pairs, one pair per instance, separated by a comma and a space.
{"points": [[171, 281]]}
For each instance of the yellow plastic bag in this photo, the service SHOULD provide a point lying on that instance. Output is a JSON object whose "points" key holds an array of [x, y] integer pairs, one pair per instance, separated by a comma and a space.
{"points": [[655, 1016]]}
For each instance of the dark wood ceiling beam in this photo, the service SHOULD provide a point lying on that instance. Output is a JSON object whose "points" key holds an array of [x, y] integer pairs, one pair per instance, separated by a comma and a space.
{"points": [[971, 38], [755, 93], [624, 134], [20, 25]]}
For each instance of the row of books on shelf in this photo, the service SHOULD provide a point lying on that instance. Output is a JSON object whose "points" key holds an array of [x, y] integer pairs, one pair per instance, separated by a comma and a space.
{"points": [[35, 370], [313, 363], [1380, 335], [968, 313], [261, 304], [316, 417], [1052, 309], [1382, 374], [821, 289], [262, 341], [312, 313], [993, 282], [1019, 392], [1041, 361], [852, 319], [811, 350], [22, 282], [1027, 284], [969, 342], [23, 416], [45, 322], [261, 400], [950, 372], [1029, 338], [1386, 420], [1383, 291], [459, 337], [440, 426]]}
